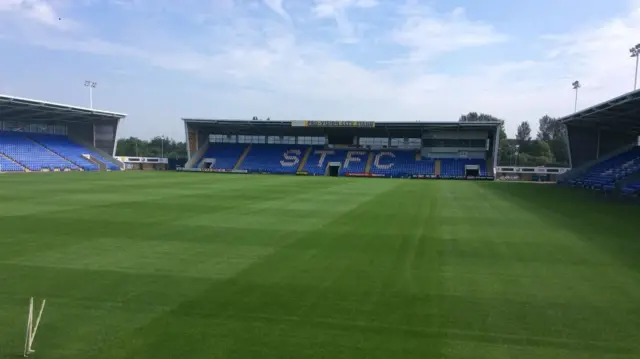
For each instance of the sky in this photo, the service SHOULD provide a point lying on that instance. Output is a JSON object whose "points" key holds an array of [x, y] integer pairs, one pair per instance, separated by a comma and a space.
{"points": [[361, 60]]}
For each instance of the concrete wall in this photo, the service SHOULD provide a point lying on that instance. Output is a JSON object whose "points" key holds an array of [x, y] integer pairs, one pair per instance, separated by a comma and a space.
{"points": [[455, 135], [452, 152]]}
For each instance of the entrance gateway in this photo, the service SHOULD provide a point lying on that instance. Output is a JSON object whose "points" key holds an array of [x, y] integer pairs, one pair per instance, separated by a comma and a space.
{"points": [[472, 171], [333, 169]]}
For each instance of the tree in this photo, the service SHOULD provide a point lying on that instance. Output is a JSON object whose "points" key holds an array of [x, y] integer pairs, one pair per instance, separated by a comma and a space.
{"points": [[539, 148], [555, 134], [546, 128], [523, 134], [559, 149], [156, 147], [478, 117]]}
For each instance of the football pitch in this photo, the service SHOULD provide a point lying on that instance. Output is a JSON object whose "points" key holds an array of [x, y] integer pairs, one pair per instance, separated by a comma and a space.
{"points": [[179, 265]]}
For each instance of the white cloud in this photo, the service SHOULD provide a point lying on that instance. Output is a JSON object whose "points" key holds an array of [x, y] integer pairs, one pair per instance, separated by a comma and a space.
{"points": [[329, 8], [290, 79], [598, 55], [337, 10], [40, 11], [277, 7], [427, 34]]}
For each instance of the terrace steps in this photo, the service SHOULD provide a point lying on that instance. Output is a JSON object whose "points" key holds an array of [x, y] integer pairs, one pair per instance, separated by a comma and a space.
{"points": [[54, 152], [436, 168], [15, 161], [242, 157], [303, 162], [367, 169]]}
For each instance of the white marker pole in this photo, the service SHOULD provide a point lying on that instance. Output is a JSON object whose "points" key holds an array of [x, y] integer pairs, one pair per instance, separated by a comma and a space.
{"points": [[29, 322], [32, 329]]}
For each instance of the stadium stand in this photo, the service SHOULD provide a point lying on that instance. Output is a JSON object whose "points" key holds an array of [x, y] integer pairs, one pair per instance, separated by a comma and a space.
{"points": [[7, 165], [364, 149], [66, 149], [222, 156], [604, 175], [320, 158], [603, 146], [631, 189], [400, 164], [30, 154], [454, 167], [44, 136], [280, 159]]}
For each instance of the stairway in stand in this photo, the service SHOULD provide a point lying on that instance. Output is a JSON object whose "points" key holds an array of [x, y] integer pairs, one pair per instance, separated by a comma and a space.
{"points": [[14, 161], [242, 157], [303, 162], [367, 169], [54, 152], [436, 169]]}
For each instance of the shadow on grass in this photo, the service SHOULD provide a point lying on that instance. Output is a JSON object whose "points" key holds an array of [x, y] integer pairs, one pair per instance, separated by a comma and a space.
{"points": [[604, 222]]}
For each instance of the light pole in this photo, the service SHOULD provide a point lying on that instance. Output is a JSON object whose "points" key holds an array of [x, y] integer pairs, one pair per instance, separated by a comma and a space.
{"points": [[162, 146], [91, 85], [576, 86], [635, 52]]}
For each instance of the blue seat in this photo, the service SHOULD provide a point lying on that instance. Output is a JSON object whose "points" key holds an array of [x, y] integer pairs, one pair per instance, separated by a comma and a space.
{"points": [[7, 165], [455, 167], [69, 150], [603, 175], [319, 158], [31, 154], [283, 159], [400, 164], [226, 154]]}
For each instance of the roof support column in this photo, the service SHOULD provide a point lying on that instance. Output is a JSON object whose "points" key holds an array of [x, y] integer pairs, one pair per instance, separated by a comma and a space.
{"points": [[568, 144], [496, 147], [186, 136], [115, 138]]}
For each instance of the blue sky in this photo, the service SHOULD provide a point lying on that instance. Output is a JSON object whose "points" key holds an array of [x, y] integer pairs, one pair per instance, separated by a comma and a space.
{"points": [[405, 60]]}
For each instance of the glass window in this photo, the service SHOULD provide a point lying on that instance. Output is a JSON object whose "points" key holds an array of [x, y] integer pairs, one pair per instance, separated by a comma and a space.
{"points": [[286, 140], [251, 139], [461, 143], [309, 140], [222, 138], [406, 143], [373, 141]]}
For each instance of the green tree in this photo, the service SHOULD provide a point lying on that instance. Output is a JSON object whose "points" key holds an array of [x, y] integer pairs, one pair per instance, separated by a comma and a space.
{"points": [[546, 128], [539, 148], [156, 147], [555, 134], [523, 134]]}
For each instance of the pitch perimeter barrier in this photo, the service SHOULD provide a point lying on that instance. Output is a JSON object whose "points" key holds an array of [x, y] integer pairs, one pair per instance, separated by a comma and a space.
{"points": [[212, 170]]}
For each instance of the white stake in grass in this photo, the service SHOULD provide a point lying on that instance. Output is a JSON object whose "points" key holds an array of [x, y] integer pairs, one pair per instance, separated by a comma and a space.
{"points": [[31, 328]]}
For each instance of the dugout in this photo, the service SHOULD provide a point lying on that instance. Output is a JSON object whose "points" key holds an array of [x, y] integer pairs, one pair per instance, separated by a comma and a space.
{"points": [[91, 128], [604, 129], [467, 140]]}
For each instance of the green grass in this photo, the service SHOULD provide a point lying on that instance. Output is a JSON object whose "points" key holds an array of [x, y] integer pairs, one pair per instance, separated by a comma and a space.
{"points": [[168, 265]]}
